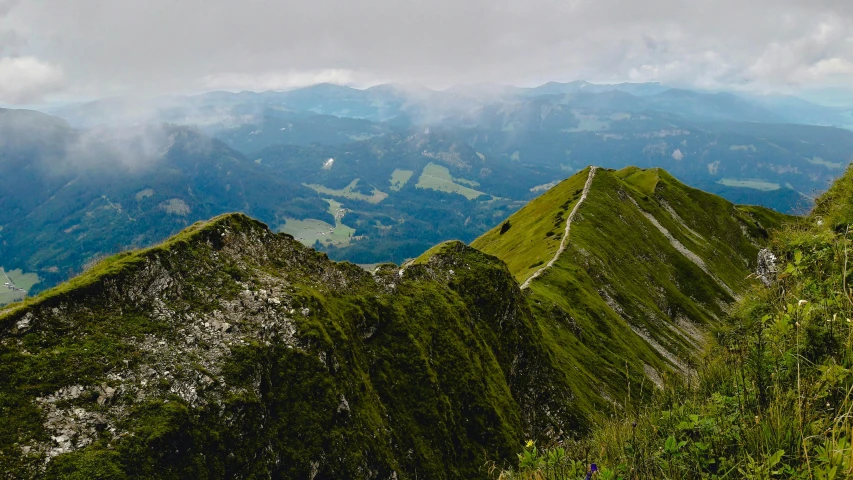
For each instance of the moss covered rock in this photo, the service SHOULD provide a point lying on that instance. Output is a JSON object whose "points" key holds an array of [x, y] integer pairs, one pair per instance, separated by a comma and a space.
{"points": [[230, 351]]}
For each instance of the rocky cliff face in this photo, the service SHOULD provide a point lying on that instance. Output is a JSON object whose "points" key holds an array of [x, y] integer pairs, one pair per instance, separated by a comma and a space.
{"points": [[230, 351]]}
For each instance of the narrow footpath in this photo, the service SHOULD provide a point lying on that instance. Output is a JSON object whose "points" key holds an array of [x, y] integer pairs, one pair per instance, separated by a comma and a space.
{"points": [[565, 241]]}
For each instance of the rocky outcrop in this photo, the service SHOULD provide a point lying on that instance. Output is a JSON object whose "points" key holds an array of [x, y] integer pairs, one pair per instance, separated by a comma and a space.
{"points": [[230, 351], [766, 270]]}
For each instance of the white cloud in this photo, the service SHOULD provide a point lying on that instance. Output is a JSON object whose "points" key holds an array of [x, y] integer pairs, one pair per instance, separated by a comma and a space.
{"points": [[276, 81], [27, 79], [831, 66], [106, 47]]}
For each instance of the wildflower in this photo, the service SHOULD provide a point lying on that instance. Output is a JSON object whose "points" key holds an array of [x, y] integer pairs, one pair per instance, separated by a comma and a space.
{"points": [[592, 469], [802, 302], [530, 444], [633, 424]]}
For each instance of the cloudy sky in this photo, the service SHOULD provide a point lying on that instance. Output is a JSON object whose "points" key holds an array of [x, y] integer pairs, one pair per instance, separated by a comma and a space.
{"points": [[53, 50]]}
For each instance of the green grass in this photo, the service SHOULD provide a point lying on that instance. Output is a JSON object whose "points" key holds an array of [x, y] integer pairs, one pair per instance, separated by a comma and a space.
{"points": [[621, 275], [310, 230], [755, 184], [772, 398], [399, 178], [645, 181], [437, 177], [535, 230], [350, 193], [835, 207], [21, 280]]}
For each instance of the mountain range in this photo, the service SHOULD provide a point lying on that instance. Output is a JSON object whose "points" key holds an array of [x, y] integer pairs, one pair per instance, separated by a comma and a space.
{"points": [[379, 174]]}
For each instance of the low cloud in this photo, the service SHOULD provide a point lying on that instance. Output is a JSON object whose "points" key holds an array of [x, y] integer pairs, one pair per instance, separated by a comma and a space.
{"points": [[276, 80], [28, 80]]}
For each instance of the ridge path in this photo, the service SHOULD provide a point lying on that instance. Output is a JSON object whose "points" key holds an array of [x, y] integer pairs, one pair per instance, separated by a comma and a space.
{"points": [[564, 242]]}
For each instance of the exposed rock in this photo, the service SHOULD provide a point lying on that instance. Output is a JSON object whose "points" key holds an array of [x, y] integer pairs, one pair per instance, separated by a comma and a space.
{"points": [[344, 405], [24, 323], [767, 269]]}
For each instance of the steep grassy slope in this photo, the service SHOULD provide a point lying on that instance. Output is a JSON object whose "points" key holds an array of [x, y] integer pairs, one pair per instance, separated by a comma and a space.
{"points": [[835, 207], [649, 263], [773, 399], [230, 351], [527, 240]]}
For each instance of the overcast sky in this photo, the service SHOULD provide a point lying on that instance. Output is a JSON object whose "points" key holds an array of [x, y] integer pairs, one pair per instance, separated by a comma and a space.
{"points": [[67, 50]]}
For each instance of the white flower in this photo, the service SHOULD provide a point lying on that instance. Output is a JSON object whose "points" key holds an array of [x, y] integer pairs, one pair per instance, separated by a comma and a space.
{"points": [[802, 302]]}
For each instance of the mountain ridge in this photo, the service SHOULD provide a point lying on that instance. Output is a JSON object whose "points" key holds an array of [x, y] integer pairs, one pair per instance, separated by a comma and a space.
{"points": [[334, 333], [447, 359]]}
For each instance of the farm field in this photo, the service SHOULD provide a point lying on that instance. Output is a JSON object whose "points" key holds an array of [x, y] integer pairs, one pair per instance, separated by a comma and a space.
{"points": [[311, 230], [21, 280], [436, 177], [349, 192], [756, 184], [399, 179]]}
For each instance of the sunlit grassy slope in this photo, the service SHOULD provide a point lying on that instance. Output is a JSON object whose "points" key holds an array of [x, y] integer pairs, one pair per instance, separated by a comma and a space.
{"points": [[628, 300], [772, 399], [532, 236]]}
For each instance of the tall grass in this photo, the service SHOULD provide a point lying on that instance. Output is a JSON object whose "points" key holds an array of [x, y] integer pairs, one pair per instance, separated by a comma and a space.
{"points": [[773, 397]]}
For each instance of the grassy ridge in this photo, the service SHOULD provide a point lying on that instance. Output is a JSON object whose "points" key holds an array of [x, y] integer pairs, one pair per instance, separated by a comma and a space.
{"points": [[623, 309], [530, 237], [773, 397]]}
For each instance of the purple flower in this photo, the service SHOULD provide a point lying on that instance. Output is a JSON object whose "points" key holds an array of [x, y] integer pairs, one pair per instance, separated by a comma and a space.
{"points": [[592, 469]]}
